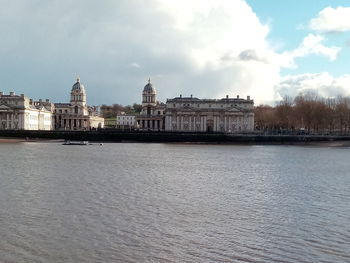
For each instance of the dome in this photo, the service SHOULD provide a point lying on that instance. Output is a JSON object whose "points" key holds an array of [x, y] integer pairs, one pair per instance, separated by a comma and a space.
{"points": [[78, 86], [149, 88]]}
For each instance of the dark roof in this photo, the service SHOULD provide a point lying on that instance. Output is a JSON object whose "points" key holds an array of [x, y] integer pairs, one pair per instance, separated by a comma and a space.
{"points": [[63, 104], [78, 86], [149, 87], [194, 99]]}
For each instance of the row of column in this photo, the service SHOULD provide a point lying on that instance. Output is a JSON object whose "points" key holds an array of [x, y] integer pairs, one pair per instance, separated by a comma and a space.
{"points": [[9, 120], [204, 123], [149, 98], [151, 124], [71, 124]]}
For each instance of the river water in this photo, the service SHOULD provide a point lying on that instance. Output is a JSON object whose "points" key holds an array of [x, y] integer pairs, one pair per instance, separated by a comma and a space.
{"points": [[174, 203]]}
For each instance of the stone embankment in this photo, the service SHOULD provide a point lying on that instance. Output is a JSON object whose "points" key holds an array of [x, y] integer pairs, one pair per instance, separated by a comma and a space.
{"points": [[176, 137]]}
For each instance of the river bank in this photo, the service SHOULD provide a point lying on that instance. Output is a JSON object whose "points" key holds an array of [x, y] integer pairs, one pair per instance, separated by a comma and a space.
{"points": [[172, 137]]}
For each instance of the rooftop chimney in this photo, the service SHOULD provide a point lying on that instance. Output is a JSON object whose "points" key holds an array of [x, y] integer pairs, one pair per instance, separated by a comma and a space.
{"points": [[40, 100], [12, 93], [226, 96], [237, 96], [47, 100], [248, 97], [191, 96], [22, 95], [180, 95], [30, 101]]}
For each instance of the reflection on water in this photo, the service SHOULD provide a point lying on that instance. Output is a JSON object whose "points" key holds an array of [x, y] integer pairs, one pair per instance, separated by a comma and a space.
{"points": [[173, 203]]}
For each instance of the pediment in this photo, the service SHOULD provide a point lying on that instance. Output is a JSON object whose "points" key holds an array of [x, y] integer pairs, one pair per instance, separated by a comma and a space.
{"points": [[4, 107], [234, 109], [40, 108]]}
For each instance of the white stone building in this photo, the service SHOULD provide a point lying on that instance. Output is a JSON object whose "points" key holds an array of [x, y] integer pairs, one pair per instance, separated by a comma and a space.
{"points": [[18, 112], [229, 115], [76, 115], [126, 121], [152, 113]]}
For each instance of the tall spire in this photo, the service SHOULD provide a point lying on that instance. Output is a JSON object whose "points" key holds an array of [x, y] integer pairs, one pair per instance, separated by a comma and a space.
{"points": [[149, 80]]}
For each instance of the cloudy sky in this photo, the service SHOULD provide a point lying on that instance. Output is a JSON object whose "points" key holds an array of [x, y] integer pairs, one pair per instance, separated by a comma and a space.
{"points": [[208, 48]]}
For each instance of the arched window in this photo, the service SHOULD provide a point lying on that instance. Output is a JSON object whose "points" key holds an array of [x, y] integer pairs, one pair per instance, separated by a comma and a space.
{"points": [[76, 109]]}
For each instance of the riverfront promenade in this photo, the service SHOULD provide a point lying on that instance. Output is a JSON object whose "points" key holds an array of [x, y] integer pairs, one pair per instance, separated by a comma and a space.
{"points": [[182, 137]]}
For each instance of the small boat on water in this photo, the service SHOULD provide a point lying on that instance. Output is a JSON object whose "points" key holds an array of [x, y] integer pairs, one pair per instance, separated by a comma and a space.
{"points": [[76, 143]]}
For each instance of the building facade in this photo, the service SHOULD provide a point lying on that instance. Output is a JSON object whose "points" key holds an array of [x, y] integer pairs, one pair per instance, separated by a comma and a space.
{"points": [[229, 115], [77, 115], [126, 121], [110, 123], [18, 112], [152, 114]]}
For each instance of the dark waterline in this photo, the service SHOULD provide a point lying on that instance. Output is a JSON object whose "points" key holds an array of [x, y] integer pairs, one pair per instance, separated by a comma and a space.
{"points": [[173, 203]]}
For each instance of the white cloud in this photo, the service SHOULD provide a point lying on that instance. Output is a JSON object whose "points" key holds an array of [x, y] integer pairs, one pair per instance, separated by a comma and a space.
{"points": [[312, 45], [332, 20], [182, 42], [135, 65], [202, 47], [323, 83]]}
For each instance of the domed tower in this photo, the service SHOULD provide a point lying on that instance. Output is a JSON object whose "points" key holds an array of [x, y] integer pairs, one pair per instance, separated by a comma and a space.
{"points": [[149, 95], [78, 98], [78, 94]]}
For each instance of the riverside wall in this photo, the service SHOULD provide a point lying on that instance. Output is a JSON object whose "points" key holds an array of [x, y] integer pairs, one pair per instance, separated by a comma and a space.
{"points": [[173, 137]]}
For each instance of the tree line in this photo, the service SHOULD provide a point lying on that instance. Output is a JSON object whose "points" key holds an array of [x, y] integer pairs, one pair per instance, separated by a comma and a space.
{"points": [[111, 111], [306, 113]]}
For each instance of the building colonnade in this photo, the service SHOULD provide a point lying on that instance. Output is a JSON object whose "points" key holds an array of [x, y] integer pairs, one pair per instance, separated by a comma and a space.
{"points": [[239, 122]]}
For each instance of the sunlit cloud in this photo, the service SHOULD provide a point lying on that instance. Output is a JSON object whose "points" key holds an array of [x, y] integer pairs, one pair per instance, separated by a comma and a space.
{"points": [[200, 47], [332, 20]]}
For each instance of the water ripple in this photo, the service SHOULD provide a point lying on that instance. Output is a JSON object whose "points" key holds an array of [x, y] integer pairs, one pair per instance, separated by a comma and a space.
{"points": [[174, 203]]}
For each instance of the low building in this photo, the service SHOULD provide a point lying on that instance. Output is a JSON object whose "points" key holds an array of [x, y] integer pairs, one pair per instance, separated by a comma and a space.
{"points": [[126, 121], [76, 115], [152, 114], [18, 112], [190, 114], [110, 123]]}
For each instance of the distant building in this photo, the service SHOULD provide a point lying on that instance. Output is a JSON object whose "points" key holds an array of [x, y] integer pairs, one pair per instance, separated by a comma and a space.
{"points": [[110, 123], [229, 115], [152, 113], [76, 115], [126, 121], [18, 112]]}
